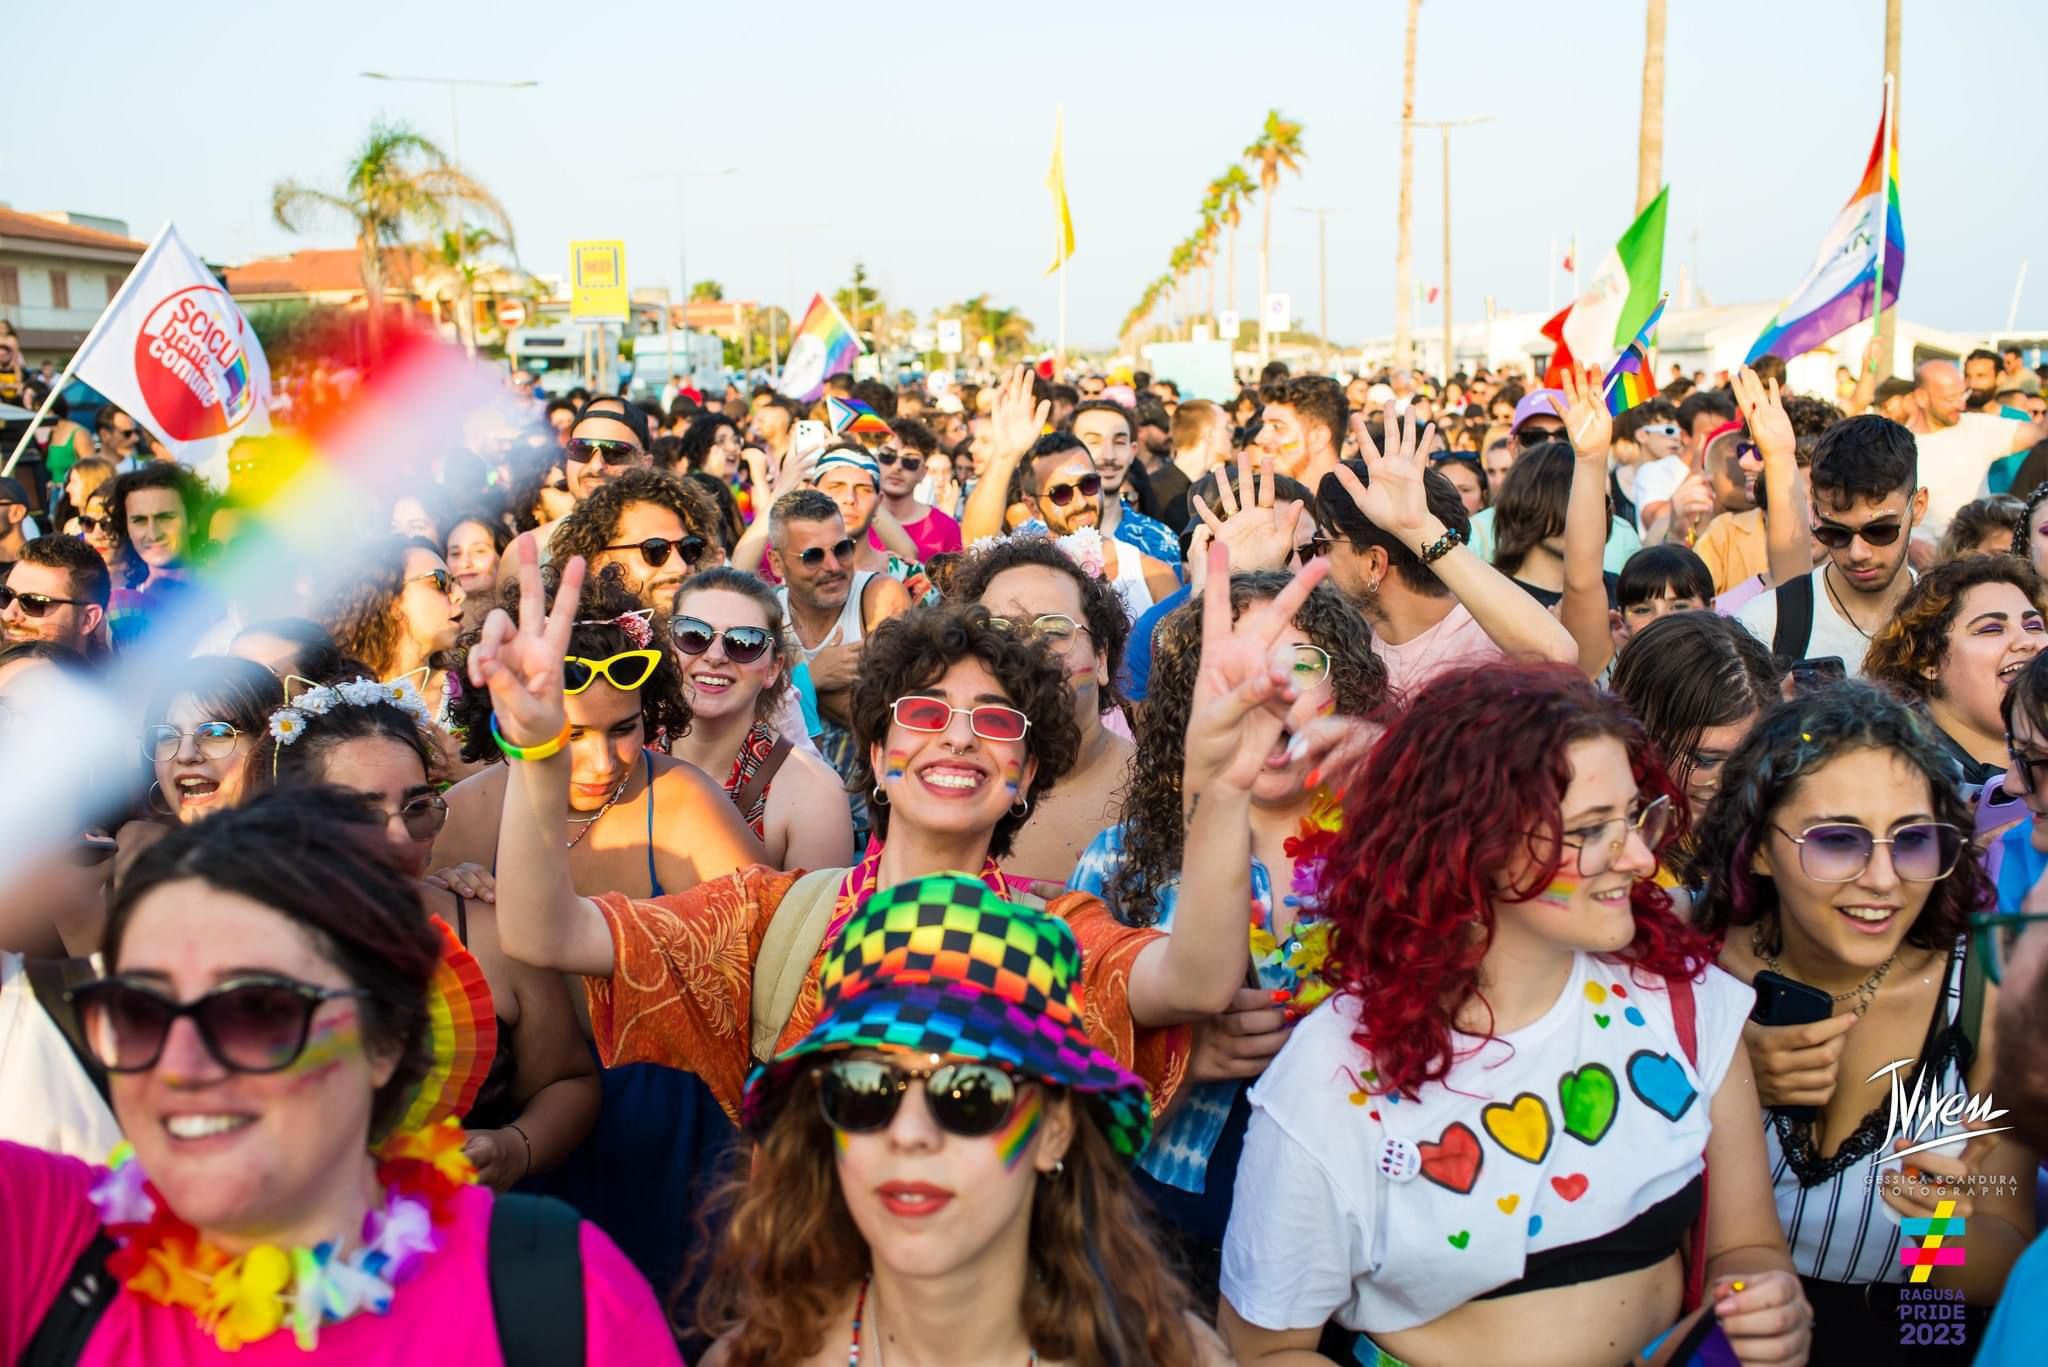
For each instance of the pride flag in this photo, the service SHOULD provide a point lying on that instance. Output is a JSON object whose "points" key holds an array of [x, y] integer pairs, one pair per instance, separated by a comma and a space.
{"points": [[1838, 291], [1630, 382], [1621, 290], [823, 344]]}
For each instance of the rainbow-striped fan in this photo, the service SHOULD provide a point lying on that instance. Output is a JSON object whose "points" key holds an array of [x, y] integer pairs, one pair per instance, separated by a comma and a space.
{"points": [[463, 1027]]}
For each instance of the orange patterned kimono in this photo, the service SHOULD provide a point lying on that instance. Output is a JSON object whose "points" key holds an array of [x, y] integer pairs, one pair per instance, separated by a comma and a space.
{"points": [[682, 986]]}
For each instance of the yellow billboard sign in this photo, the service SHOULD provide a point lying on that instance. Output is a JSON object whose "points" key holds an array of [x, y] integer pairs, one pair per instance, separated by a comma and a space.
{"points": [[597, 280]]}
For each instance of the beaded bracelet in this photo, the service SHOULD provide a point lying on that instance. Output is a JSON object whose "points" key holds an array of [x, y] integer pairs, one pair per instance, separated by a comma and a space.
{"points": [[1441, 547], [529, 752]]}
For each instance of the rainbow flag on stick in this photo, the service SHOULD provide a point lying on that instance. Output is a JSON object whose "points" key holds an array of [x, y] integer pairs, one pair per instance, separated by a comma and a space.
{"points": [[1841, 288], [823, 344], [1631, 381]]}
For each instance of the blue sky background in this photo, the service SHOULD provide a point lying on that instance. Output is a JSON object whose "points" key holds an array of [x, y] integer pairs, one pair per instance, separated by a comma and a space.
{"points": [[916, 138]]}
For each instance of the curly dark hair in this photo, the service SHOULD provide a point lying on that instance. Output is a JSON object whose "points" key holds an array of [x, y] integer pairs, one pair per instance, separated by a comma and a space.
{"points": [[361, 614], [1995, 515], [1790, 743], [193, 494], [1102, 611], [731, 526], [914, 651], [589, 529], [700, 434], [1151, 813], [664, 700], [317, 857], [1915, 640]]}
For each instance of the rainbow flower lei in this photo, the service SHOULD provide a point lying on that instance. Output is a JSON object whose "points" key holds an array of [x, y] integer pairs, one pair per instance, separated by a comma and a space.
{"points": [[241, 1299], [1305, 952]]}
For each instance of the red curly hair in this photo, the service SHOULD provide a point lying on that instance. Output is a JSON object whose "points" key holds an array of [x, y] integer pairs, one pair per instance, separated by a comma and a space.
{"points": [[1434, 817]]}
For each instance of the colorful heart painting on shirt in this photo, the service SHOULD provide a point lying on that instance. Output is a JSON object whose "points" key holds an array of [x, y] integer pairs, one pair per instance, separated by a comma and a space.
{"points": [[1659, 1080], [1523, 1128], [1586, 1100], [1454, 1160]]}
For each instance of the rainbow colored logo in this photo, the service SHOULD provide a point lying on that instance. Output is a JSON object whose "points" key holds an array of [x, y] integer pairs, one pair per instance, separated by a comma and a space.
{"points": [[1932, 1233], [236, 395]]}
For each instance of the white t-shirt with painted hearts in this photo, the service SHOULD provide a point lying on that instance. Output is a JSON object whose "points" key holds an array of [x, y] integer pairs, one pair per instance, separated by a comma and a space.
{"points": [[1558, 1133]]}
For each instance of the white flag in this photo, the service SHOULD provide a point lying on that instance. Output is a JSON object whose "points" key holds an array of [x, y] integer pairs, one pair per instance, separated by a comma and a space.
{"points": [[175, 353]]}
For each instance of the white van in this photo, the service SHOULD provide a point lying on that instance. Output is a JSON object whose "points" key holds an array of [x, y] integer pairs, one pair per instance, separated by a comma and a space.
{"points": [[560, 356], [698, 357]]}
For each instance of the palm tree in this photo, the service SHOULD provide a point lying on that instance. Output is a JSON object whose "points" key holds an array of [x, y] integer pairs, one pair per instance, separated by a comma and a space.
{"points": [[1233, 190], [1404, 251], [1007, 330], [1650, 135], [1277, 149], [397, 183], [457, 257], [1205, 239], [1179, 262]]}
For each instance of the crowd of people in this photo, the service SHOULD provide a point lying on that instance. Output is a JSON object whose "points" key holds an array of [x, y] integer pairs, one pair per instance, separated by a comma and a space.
{"points": [[1053, 870]]}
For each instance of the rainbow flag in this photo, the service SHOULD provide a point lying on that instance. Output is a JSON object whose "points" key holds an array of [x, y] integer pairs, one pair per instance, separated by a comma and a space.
{"points": [[823, 344], [1631, 381], [1841, 288], [852, 418]]}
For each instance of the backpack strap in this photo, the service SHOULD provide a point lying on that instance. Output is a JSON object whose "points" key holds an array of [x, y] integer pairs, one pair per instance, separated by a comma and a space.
{"points": [[1795, 619], [68, 1322], [794, 934], [51, 980], [1970, 1014], [536, 1272], [757, 783], [1685, 1016]]}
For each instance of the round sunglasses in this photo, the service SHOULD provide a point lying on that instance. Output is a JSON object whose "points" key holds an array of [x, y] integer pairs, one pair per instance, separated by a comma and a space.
{"points": [[813, 557], [655, 549], [860, 1096], [1060, 495], [215, 739], [990, 721], [1056, 629], [422, 816], [34, 604], [1839, 851], [248, 1025], [743, 645], [624, 671]]}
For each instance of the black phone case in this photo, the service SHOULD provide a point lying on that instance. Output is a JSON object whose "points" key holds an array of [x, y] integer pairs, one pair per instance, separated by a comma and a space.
{"points": [[1786, 1001]]}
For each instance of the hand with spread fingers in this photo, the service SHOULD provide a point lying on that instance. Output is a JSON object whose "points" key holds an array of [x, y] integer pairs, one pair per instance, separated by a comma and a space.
{"points": [[1392, 495], [1231, 731], [1584, 413], [521, 664], [1259, 535], [1016, 420]]}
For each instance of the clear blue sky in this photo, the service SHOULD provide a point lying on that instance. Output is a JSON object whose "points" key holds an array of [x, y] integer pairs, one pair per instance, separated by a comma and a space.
{"points": [[919, 137]]}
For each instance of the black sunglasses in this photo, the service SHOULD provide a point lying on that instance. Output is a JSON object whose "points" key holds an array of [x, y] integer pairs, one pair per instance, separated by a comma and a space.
{"points": [[87, 524], [654, 550], [581, 449], [886, 458], [1060, 495], [743, 645], [34, 604], [815, 555], [440, 579], [861, 1096], [250, 1025], [1835, 536]]}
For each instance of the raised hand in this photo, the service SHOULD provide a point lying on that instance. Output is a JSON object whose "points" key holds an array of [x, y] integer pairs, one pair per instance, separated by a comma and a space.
{"points": [[1259, 535], [1015, 419], [1584, 412], [521, 664], [1230, 730], [1393, 495], [1762, 408]]}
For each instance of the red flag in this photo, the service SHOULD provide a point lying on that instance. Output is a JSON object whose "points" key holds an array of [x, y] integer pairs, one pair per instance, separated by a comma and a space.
{"points": [[1561, 359], [1568, 263], [1429, 295]]}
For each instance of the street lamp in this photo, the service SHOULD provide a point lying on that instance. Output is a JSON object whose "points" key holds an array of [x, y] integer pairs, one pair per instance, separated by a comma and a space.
{"points": [[1322, 276], [1444, 126]]}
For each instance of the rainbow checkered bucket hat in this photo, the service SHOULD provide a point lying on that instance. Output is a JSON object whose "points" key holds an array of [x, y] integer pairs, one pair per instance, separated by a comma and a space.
{"points": [[941, 965]]}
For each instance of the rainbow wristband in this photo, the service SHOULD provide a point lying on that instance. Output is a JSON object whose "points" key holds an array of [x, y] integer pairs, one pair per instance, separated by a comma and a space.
{"points": [[544, 750]]}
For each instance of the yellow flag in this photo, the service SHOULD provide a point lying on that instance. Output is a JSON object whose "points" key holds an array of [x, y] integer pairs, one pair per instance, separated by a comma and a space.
{"points": [[1056, 181]]}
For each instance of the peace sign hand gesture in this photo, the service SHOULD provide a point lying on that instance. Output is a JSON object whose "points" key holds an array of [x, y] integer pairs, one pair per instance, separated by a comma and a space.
{"points": [[522, 665], [1230, 731], [1392, 496]]}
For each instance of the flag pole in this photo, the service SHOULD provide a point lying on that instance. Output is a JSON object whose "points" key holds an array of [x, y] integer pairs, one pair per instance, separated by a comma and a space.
{"points": [[113, 307], [1884, 215], [1059, 361]]}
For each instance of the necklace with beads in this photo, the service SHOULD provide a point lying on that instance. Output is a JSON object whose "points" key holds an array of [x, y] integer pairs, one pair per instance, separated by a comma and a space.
{"points": [[1864, 992], [588, 823], [859, 1305]]}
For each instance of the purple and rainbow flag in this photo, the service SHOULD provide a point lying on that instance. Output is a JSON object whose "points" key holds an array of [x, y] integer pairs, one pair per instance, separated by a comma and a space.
{"points": [[1631, 381], [1840, 290]]}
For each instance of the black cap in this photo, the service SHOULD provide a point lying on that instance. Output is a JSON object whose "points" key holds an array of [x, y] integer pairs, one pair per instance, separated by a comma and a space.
{"points": [[11, 491], [628, 413]]}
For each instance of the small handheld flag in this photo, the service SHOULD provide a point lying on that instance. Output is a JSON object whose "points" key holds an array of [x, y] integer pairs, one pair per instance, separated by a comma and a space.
{"points": [[851, 417], [1631, 381]]}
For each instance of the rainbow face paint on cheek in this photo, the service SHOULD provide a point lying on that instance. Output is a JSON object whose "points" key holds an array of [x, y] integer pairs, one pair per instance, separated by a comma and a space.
{"points": [[1013, 776], [1561, 891], [899, 760], [840, 1143], [330, 1042], [1015, 1137]]}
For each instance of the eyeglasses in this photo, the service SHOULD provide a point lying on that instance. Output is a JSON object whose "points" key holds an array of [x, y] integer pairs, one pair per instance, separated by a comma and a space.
{"points": [[815, 555], [1993, 935], [2027, 767], [582, 449], [1532, 435], [1311, 666], [422, 816], [860, 1096], [886, 458], [1835, 536], [1060, 495], [990, 721], [624, 671], [654, 550], [1599, 846], [1056, 629], [251, 1025], [743, 645], [34, 604], [215, 739], [440, 579], [1839, 852]]}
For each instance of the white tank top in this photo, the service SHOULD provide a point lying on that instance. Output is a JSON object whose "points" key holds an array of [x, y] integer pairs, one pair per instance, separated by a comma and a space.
{"points": [[850, 621], [1129, 582]]}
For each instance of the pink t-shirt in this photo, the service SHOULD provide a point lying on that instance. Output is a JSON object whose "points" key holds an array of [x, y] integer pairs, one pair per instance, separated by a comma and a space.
{"points": [[932, 534], [442, 1315], [1456, 642]]}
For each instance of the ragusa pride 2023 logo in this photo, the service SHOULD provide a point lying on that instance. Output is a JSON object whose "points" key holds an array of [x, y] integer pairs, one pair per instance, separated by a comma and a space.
{"points": [[192, 365]]}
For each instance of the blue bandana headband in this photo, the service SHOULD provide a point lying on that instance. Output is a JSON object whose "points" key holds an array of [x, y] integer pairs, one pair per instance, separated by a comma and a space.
{"points": [[847, 458]]}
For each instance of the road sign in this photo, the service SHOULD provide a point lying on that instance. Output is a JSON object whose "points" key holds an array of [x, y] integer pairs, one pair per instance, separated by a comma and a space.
{"points": [[511, 314], [949, 336], [1277, 317], [597, 276], [1227, 324]]}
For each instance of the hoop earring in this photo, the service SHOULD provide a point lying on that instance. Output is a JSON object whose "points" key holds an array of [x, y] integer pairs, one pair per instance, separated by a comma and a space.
{"points": [[1021, 807], [878, 797], [156, 797], [1058, 1168]]}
